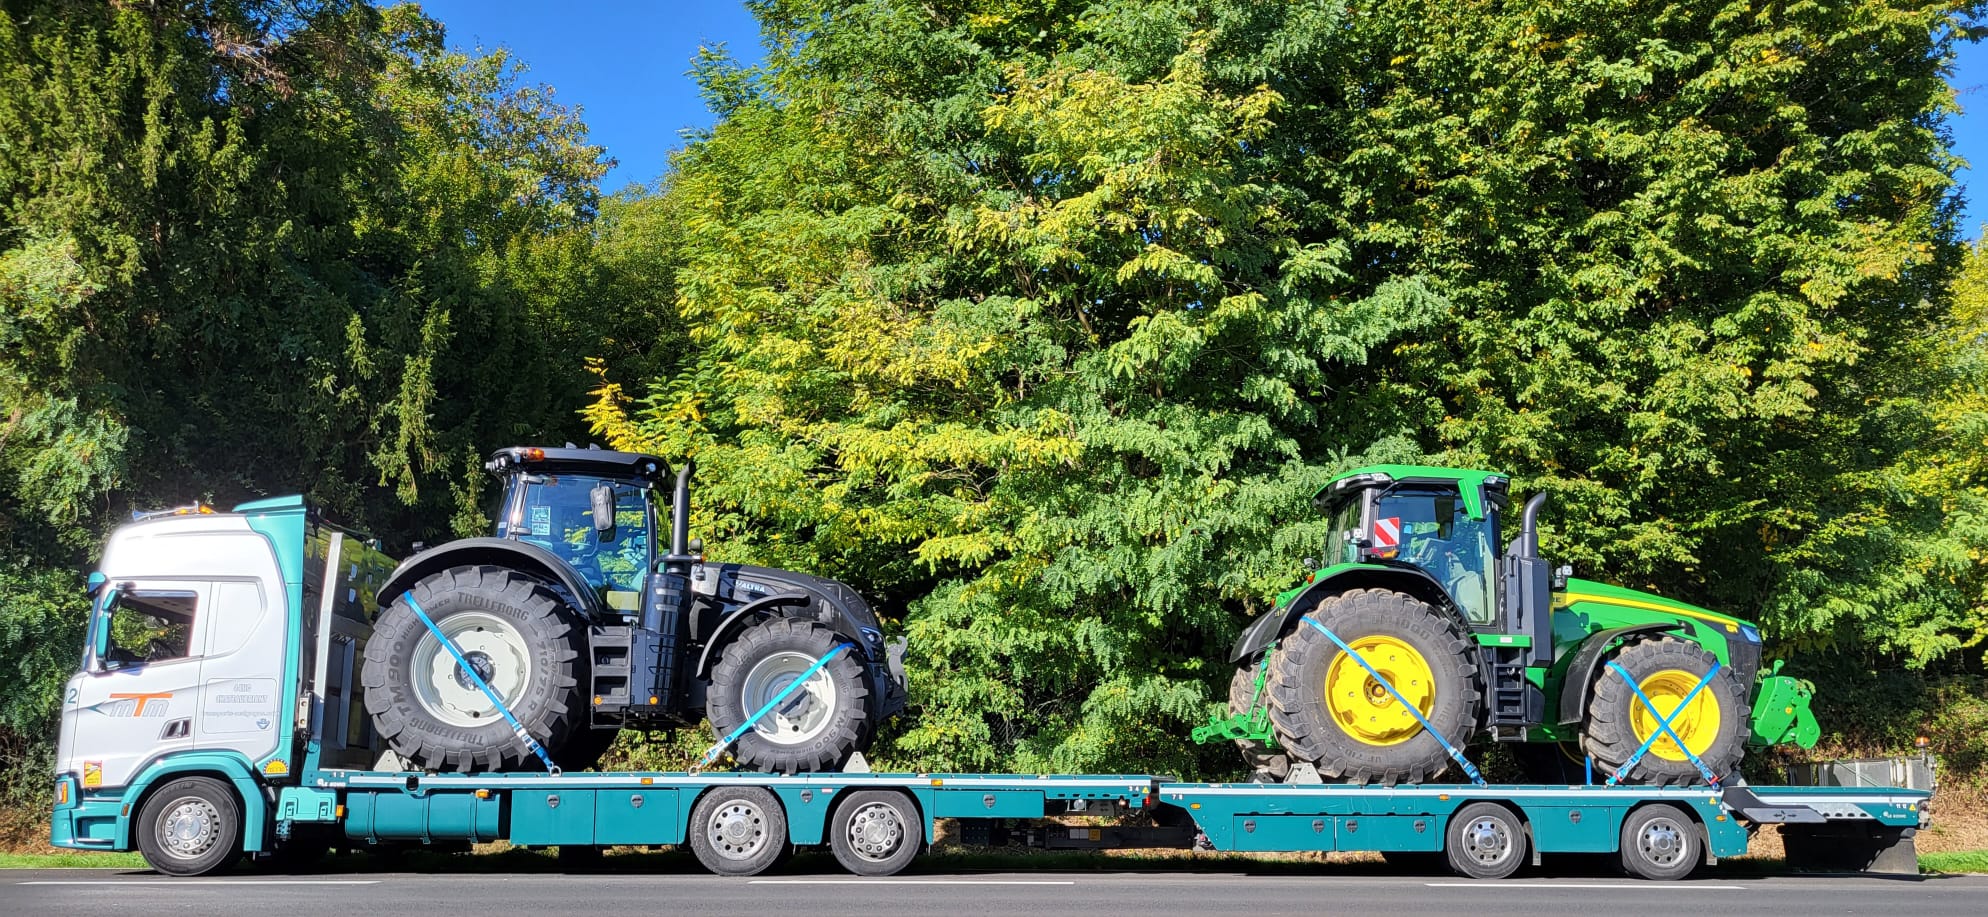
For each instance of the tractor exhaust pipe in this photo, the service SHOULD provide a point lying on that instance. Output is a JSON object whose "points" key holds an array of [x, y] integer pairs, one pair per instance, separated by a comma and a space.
{"points": [[680, 513], [1529, 526]]}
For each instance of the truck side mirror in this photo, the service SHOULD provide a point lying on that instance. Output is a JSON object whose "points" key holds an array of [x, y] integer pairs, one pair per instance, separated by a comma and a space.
{"points": [[603, 505], [105, 599]]}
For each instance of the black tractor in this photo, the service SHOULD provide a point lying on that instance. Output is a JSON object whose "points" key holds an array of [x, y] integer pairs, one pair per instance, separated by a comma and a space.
{"points": [[573, 616]]}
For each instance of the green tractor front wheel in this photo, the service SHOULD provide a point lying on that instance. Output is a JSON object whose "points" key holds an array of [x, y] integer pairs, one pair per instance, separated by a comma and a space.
{"points": [[1712, 723]]}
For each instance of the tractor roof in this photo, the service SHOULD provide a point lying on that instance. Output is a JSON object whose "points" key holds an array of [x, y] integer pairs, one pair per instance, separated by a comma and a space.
{"points": [[592, 460], [1474, 484]]}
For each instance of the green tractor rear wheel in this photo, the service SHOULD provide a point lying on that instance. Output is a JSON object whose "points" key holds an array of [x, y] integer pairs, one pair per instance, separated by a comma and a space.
{"points": [[1330, 711], [1713, 725]]}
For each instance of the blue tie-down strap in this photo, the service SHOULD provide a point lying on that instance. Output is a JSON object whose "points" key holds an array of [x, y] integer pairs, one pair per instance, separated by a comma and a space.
{"points": [[1663, 724], [1454, 753], [464, 666], [715, 751]]}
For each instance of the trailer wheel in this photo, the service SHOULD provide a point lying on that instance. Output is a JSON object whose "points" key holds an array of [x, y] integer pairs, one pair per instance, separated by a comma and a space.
{"points": [[738, 831], [517, 636], [1329, 711], [1714, 726], [190, 827], [1660, 842], [1486, 841], [1265, 765], [817, 726], [876, 832]]}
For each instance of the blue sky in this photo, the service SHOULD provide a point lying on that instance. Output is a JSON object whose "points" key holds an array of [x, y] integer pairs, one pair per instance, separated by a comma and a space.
{"points": [[624, 62]]}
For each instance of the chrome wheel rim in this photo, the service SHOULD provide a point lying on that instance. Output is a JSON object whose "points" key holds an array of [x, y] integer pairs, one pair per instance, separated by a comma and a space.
{"points": [[1661, 842], [1487, 841], [190, 827], [737, 829], [493, 647], [804, 714], [876, 831]]}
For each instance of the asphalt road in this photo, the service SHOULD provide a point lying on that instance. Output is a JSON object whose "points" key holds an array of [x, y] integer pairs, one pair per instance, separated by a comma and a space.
{"points": [[98, 892]]}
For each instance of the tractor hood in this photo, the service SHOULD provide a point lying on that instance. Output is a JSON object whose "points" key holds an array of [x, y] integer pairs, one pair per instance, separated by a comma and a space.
{"points": [[1583, 591]]}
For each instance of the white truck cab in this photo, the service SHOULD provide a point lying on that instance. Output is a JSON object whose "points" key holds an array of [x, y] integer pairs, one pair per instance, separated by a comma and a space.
{"points": [[223, 647]]}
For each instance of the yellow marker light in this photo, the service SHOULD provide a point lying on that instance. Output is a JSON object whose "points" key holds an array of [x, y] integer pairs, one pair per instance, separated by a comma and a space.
{"points": [[937, 782], [652, 700], [648, 780], [1194, 805], [483, 794], [1722, 818], [597, 700], [61, 792], [339, 812], [1444, 797]]}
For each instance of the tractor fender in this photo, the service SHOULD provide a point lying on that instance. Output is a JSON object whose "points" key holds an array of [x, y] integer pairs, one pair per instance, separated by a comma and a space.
{"points": [[732, 623], [522, 556], [1275, 623], [1580, 678]]}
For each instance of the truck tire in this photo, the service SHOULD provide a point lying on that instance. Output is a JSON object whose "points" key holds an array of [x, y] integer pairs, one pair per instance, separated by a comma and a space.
{"points": [[876, 832], [1714, 727], [519, 637], [1328, 711], [191, 826], [1265, 764], [738, 830], [1660, 843], [818, 726], [1486, 841]]}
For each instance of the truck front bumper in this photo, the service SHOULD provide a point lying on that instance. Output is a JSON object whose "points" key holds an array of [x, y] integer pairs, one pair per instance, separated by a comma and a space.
{"points": [[81, 823]]}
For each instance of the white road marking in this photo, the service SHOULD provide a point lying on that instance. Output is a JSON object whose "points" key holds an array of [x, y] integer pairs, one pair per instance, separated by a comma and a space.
{"points": [[183, 882], [911, 882], [1624, 885]]}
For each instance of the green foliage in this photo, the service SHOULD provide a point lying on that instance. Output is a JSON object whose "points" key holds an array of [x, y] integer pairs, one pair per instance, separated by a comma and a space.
{"points": [[1041, 321]]}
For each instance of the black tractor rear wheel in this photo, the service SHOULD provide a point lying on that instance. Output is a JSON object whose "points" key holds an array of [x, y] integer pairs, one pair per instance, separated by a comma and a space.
{"points": [[818, 725], [1328, 710], [517, 636], [1713, 726], [1267, 765]]}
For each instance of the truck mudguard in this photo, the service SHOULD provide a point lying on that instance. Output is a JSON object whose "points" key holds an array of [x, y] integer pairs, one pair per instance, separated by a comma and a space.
{"points": [[230, 767]]}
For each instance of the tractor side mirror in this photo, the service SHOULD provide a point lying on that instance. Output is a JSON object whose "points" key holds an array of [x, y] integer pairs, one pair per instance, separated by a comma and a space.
{"points": [[603, 506], [1561, 575]]}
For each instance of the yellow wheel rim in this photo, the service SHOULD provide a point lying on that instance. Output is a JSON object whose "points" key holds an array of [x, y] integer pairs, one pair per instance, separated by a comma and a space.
{"points": [[1697, 724], [1362, 707]]}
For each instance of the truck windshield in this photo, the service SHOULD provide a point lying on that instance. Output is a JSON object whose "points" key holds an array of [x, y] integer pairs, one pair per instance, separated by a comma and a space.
{"points": [[558, 515]]}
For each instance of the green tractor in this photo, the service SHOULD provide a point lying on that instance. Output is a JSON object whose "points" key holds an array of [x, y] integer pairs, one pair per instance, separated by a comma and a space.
{"points": [[1482, 640]]}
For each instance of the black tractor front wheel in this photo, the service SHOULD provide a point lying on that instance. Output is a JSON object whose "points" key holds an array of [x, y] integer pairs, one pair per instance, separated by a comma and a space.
{"points": [[1266, 764], [817, 725]]}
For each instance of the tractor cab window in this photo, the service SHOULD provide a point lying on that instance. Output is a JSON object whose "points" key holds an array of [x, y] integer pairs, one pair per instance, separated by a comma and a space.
{"points": [[557, 514], [1345, 527], [147, 627], [1431, 529]]}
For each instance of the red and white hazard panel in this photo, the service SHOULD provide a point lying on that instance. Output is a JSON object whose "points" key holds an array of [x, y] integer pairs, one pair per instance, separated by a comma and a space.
{"points": [[1387, 532]]}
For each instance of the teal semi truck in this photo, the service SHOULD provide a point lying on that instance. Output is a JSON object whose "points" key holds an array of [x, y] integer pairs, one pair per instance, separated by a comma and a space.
{"points": [[219, 713]]}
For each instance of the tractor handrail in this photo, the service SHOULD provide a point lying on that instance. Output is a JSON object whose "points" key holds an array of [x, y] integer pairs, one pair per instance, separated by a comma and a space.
{"points": [[470, 670], [1448, 746]]}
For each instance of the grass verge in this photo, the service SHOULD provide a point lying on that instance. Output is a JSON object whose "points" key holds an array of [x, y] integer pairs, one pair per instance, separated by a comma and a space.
{"points": [[1955, 861]]}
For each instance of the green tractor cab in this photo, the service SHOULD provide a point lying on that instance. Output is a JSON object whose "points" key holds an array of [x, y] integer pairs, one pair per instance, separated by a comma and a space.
{"points": [[1479, 636]]}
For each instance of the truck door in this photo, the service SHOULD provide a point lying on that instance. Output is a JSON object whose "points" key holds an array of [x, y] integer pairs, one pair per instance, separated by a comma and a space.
{"points": [[241, 697], [137, 695]]}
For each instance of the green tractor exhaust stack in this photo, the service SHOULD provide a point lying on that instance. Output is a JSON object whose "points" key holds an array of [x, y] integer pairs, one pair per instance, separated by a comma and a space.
{"points": [[1480, 638]]}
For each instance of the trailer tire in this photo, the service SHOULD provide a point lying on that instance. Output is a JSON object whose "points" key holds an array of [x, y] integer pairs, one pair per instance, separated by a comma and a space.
{"points": [[876, 832], [738, 830], [1660, 843], [1328, 711], [818, 726], [1265, 765], [191, 826], [1486, 841], [521, 639], [1717, 722]]}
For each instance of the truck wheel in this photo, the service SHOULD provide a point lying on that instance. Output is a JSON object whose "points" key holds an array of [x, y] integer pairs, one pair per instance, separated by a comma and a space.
{"points": [[817, 726], [1265, 765], [876, 832], [738, 831], [1327, 710], [190, 827], [518, 637], [1660, 842], [1714, 726], [1486, 841]]}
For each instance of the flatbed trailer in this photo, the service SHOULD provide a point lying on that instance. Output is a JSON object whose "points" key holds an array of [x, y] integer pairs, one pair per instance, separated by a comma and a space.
{"points": [[248, 739]]}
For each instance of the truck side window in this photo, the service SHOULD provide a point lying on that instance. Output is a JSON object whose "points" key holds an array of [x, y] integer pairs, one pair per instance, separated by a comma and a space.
{"points": [[150, 627]]}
